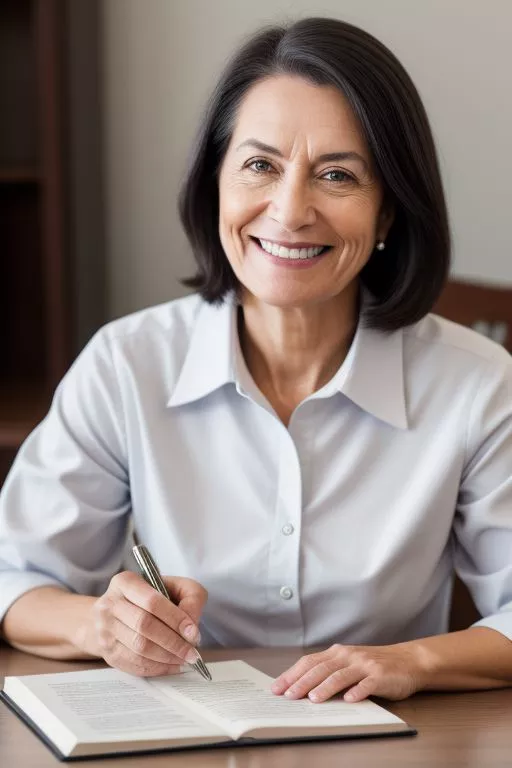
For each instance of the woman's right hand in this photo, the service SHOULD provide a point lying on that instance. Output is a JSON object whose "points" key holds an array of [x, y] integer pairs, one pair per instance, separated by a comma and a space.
{"points": [[136, 629]]}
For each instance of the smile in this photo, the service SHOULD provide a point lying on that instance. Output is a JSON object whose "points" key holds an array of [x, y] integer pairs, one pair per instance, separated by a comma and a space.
{"points": [[282, 252]]}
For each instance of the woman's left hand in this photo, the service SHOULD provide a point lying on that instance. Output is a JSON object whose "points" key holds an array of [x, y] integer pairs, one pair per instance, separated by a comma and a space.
{"points": [[391, 671]]}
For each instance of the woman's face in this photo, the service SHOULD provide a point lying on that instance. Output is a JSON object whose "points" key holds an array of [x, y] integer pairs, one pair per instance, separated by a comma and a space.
{"points": [[301, 208]]}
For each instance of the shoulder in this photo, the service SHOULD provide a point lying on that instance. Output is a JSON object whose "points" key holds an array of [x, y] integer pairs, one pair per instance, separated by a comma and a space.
{"points": [[149, 343], [453, 371], [449, 347], [163, 329], [173, 318]]}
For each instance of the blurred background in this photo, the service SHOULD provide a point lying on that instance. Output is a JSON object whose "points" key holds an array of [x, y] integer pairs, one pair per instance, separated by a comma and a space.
{"points": [[99, 100]]}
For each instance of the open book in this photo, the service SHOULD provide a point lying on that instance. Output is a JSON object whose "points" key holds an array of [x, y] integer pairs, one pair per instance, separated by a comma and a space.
{"points": [[104, 711]]}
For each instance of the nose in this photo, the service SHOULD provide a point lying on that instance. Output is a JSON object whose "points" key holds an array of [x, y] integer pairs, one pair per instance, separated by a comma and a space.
{"points": [[291, 205]]}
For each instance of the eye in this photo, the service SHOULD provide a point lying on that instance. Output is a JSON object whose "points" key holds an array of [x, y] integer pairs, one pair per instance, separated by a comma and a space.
{"points": [[259, 166], [337, 176]]}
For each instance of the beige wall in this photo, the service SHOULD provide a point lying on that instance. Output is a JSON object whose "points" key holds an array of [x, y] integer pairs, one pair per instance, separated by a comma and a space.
{"points": [[162, 56]]}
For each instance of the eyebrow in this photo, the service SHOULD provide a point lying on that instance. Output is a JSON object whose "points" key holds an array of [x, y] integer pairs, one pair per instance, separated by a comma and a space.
{"points": [[329, 157]]}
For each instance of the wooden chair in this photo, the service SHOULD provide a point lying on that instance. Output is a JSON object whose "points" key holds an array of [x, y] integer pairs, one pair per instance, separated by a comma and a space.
{"points": [[487, 309]]}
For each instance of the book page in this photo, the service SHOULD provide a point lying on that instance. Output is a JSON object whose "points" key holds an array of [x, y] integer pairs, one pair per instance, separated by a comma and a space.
{"points": [[239, 699], [107, 705]]}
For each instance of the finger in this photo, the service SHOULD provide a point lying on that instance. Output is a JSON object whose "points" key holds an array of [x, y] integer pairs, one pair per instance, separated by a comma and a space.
{"points": [[123, 658], [138, 592], [188, 594], [294, 673], [314, 677], [149, 627], [142, 646], [366, 687], [336, 682]]}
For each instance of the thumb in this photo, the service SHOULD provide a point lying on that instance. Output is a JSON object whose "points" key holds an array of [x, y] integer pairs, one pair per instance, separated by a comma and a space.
{"points": [[187, 594]]}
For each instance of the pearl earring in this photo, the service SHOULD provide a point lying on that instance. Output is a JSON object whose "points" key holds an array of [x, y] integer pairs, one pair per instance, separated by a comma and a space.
{"points": [[380, 245]]}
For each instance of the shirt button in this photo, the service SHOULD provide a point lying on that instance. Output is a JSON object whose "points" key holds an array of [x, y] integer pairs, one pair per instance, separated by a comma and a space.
{"points": [[287, 529], [286, 593]]}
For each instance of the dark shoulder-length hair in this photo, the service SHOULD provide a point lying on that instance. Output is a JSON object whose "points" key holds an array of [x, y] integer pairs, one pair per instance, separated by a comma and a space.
{"points": [[405, 280]]}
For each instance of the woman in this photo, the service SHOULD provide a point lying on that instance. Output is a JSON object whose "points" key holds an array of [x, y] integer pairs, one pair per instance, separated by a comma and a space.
{"points": [[300, 437]]}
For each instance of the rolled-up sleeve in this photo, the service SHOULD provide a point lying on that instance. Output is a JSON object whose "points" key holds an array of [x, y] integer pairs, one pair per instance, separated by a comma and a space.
{"points": [[483, 523], [65, 504]]}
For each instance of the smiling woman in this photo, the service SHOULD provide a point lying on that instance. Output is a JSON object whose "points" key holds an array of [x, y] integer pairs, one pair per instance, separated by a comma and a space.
{"points": [[301, 437], [333, 176], [332, 84]]}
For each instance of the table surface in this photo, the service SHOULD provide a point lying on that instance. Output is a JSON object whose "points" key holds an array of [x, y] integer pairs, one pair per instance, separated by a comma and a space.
{"points": [[471, 729]]}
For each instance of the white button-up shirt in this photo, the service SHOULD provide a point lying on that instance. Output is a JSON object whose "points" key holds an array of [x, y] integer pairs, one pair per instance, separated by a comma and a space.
{"points": [[344, 526]]}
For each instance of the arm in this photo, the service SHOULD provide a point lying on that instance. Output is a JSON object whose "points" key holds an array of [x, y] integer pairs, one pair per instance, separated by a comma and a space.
{"points": [[64, 507], [131, 626], [63, 524], [481, 656], [62, 629], [475, 658]]}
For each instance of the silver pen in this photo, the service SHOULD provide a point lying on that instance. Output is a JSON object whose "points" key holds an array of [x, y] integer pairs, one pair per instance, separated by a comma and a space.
{"points": [[152, 575]]}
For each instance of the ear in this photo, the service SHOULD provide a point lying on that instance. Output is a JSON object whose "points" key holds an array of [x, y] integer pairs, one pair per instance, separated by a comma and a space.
{"points": [[385, 219]]}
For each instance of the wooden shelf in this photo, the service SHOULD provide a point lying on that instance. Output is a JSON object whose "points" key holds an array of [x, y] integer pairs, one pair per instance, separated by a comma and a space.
{"points": [[51, 207], [22, 406], [19, 176], [35, 303]]}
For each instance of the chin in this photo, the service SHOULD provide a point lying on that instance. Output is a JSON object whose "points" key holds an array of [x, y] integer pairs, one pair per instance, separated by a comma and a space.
{"points": [[283, 297]]}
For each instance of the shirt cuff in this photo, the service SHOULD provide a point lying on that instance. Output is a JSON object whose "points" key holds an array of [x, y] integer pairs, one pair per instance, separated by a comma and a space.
{"points": [[14, 584], [501, 622]]}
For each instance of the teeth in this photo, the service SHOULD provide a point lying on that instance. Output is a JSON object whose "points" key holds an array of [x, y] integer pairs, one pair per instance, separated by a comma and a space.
{"points": [[290, 253]]}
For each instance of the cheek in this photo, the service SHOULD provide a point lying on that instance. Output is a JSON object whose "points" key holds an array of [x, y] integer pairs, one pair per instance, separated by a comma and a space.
{"points": [[231, 211], [230, 224], [354, 218], [237, 209]]}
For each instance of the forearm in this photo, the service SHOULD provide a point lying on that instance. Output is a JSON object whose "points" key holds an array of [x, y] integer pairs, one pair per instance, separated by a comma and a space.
{"points": [[51, 622], [474, 658]]}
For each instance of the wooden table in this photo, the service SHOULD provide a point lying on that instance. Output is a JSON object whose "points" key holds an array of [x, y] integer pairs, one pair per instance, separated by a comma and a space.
{"points": [[473, 730]]}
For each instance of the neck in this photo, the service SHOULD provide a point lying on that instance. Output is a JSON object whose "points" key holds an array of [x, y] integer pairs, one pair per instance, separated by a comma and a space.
{"points": [[292, 352]]}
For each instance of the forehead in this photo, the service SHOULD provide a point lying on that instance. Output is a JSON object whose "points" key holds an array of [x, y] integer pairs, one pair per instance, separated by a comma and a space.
{"points": [[289, 108]]}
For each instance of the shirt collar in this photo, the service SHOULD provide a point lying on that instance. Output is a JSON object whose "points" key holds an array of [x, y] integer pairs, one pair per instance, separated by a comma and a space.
{"points": [[211, 355], [372, 374], [375, 377]]}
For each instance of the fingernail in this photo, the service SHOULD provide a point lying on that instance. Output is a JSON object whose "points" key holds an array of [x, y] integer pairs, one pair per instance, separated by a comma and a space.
{"points": [[177, 669], [192, 656], [191, 633]]}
